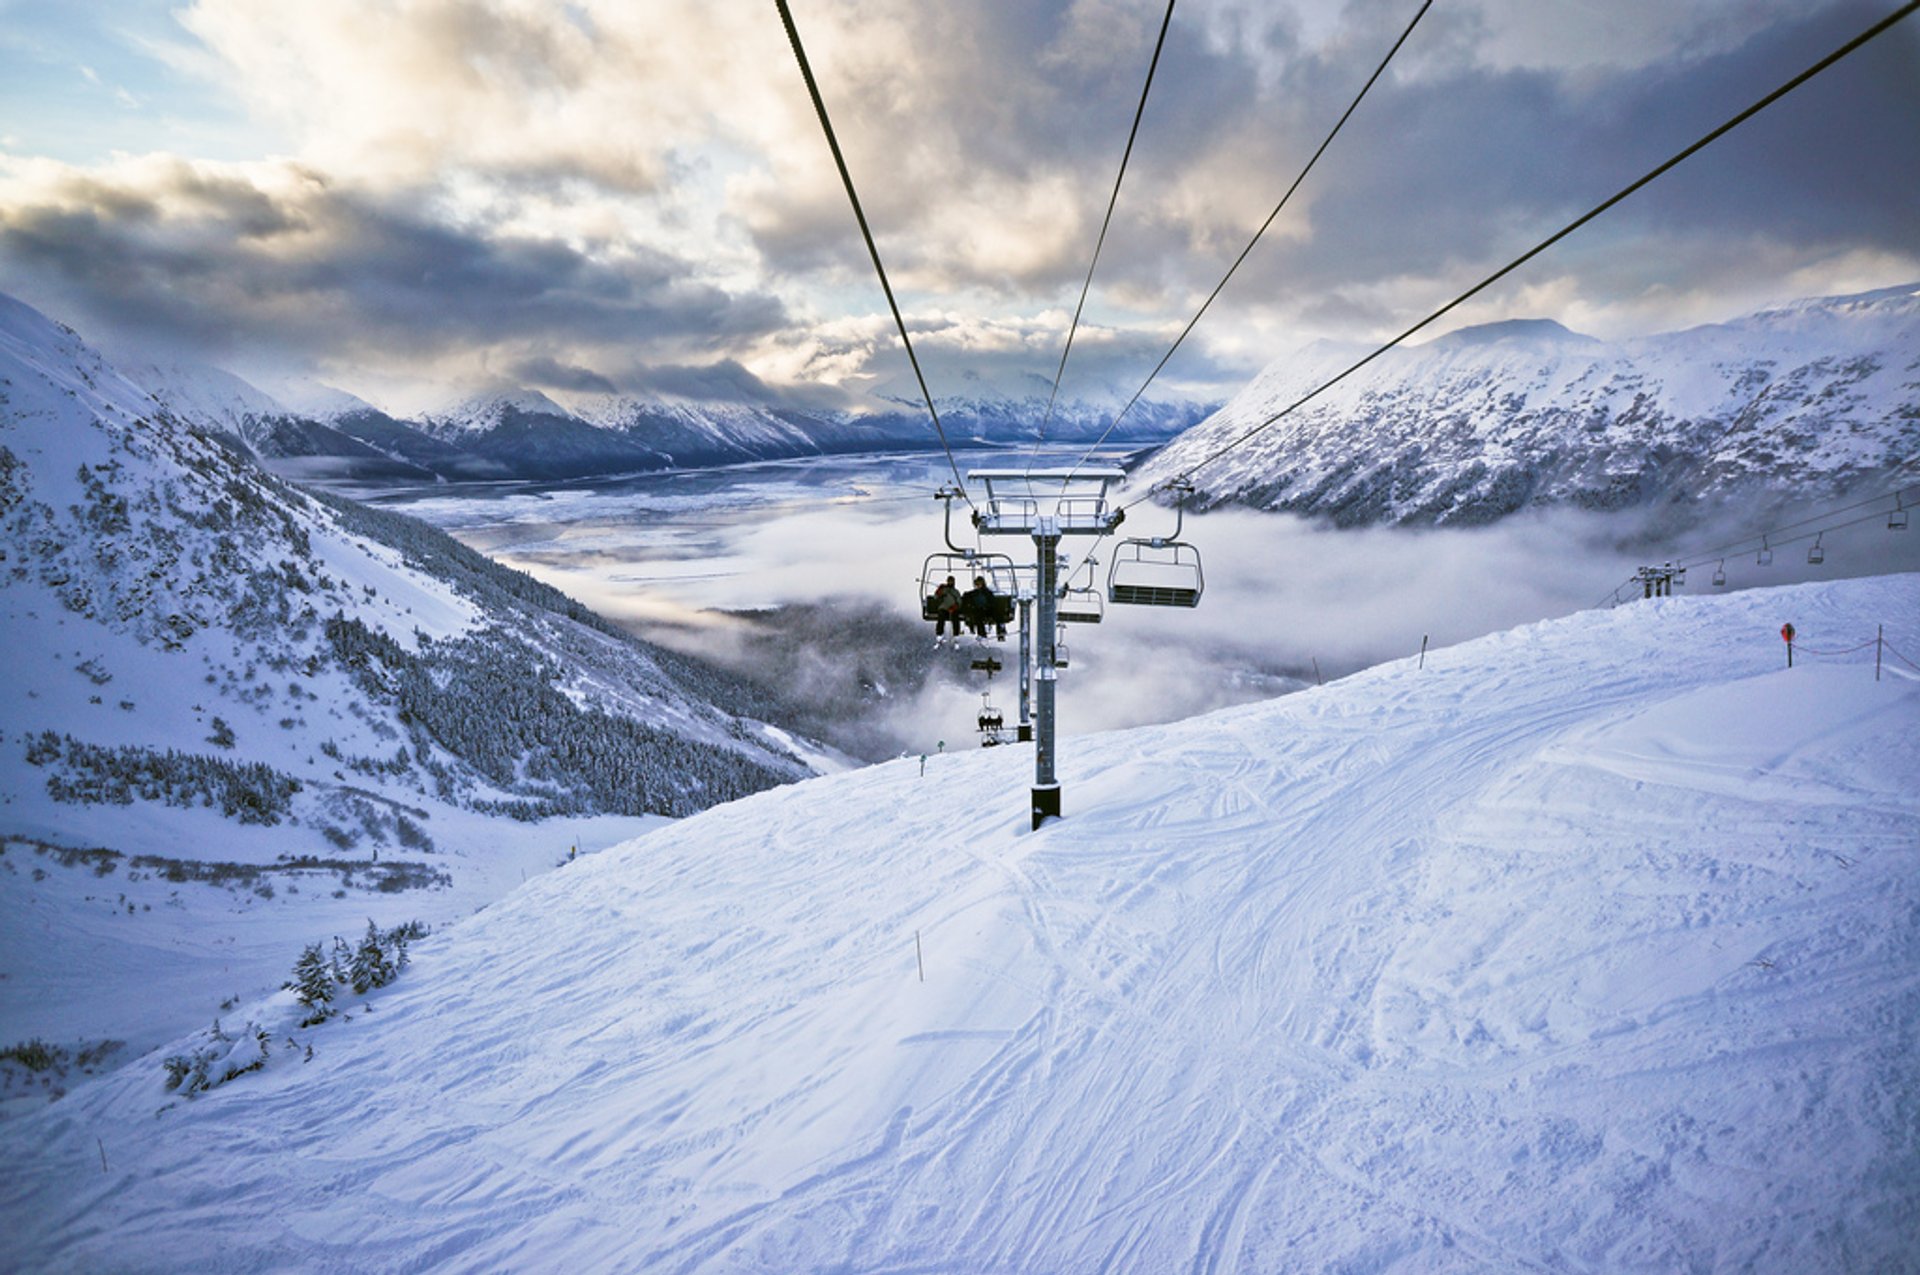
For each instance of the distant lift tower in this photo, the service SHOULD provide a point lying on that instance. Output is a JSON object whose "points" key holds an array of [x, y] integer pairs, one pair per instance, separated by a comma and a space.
{"points": [[1045, 504]]}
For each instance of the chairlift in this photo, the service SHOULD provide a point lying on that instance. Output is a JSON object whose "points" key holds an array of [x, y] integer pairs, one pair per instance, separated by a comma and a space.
{"points": [[1720, 575], [983, 662], [1080, 606], [1157, 571], [1897, 517], [992, 723], [997, 569], [1765, 556], [1816, 555]]}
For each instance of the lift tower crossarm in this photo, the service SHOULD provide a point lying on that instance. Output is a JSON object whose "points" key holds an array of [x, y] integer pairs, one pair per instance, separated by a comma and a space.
{"points": [[1073, 502]]}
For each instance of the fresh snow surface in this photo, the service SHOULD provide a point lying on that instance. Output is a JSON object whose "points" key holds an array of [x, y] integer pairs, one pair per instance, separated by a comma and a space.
{"points": [[1590, 946]]}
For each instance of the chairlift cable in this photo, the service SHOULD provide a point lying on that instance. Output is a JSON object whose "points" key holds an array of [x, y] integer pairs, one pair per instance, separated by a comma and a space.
{"points": [[1769, 537], [1113, 199], [1703, 555], [1246, 251], [846, 179], [1877, 29]]}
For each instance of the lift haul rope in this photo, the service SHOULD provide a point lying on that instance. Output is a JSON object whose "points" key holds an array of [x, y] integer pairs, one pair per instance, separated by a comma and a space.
{"points": [[846, 179], [1205, 305], [1770, 537], [1099, 243], [1877, 29]]}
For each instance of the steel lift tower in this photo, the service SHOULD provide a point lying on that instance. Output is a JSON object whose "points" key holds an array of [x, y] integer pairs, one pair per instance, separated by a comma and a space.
{"points": [[1045, 505]]}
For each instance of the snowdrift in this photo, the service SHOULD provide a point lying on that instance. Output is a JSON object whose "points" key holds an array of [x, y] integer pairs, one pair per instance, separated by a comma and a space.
{"points": [[1591, 945]]}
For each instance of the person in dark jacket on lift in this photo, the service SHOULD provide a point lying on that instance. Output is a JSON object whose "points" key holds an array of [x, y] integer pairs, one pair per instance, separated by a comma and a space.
{"points": [[946, 610], [981, 608]]}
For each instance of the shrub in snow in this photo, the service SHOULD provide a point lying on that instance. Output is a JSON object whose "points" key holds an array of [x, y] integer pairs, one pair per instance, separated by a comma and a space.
{"points": [[217, 1058]]}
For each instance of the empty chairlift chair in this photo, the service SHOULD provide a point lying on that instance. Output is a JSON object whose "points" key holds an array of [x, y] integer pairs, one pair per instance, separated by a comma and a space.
{"points": [[1897, 516], [1080, 606], [1157, 571]]}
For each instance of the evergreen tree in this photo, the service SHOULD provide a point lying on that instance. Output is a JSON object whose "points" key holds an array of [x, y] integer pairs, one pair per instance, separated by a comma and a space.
{"points": [[313, 984], [371, 968]]}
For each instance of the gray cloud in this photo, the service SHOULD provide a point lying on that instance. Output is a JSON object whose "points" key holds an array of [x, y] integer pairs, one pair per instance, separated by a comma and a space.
{"points": [[1452, 165], [221, 262], [545, 372], [608, 195]]}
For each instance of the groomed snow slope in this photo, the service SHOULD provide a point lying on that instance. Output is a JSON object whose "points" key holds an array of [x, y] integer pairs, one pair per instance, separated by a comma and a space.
{"points": [[1594, 945]]}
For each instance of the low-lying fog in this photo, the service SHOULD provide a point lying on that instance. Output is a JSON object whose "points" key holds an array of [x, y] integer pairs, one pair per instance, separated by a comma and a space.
{"points": [[806, 575]]}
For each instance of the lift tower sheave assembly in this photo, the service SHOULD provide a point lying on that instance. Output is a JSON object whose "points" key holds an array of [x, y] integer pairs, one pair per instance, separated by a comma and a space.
{"points": [[1045, 505]]}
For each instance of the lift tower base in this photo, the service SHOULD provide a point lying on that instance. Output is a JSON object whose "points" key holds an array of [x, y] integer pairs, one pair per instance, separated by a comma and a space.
{"points": [[1046, 804]]}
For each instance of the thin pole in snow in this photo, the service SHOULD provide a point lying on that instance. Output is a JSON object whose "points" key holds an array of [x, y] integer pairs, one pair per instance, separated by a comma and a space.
{"points": [[103, 1154], [917, 959], [1879, 640], [1423, 650], [1317, 679]]}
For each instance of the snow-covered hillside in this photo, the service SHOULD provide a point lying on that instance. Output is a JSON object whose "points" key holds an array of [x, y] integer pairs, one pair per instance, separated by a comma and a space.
{"points": [[1803, 401], [1593, 945], [293, 442], [227, 697]]}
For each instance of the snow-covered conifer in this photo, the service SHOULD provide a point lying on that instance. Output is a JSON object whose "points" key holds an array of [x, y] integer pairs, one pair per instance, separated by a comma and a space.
{"points": [[313, 984]]}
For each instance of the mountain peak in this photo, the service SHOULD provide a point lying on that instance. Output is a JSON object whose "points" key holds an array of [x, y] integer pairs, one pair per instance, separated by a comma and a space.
{"points": [[485, 411], [1512, 332]]}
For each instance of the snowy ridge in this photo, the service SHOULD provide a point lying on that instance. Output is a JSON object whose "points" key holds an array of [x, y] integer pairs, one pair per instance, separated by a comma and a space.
{"points": [[1591, 945], [481, 413], [1800, 401], [290, 705]]}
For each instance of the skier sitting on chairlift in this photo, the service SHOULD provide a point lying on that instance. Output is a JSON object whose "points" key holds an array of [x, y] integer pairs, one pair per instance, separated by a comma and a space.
{"points": [[980, 608], [946, 610]]}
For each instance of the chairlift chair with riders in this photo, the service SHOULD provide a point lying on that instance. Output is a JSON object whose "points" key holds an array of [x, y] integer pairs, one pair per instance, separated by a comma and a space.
{"points": [[1160, 571], [992, 723], [961, 564], [997, 569]]}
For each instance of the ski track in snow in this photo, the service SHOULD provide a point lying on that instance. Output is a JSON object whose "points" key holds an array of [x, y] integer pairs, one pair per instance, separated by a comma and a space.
{"points": [[1594, 945]]}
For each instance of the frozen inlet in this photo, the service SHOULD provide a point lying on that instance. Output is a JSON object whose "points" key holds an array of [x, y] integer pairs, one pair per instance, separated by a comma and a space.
{"points": [[1017, 502]]}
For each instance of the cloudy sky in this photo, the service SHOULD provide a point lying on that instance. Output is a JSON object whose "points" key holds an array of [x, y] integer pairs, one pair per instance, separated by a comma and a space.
{"points": [[402, 197]]}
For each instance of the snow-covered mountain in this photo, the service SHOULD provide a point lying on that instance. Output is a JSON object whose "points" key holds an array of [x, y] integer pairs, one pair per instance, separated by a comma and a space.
{"points": [[315, 431], [244, 682], [223, 403], [1800, 401], [1587, 946]]}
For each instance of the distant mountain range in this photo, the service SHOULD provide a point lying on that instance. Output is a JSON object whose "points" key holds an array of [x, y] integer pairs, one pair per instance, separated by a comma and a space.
{"points": [[1804, 400], [525, 434]]}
